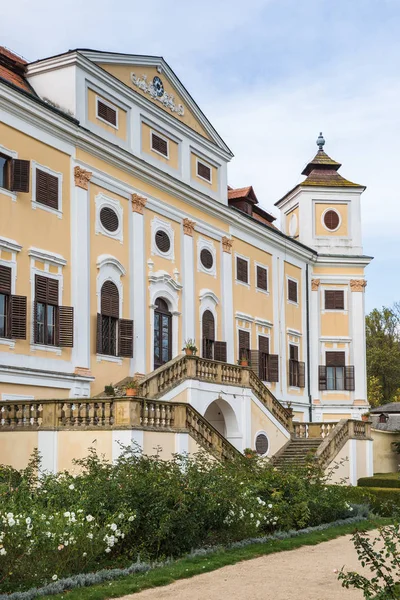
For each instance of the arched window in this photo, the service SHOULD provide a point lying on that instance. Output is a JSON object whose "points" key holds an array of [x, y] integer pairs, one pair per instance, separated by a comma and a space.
{"points": [[162, 333], [114, 335], [208, 325]]}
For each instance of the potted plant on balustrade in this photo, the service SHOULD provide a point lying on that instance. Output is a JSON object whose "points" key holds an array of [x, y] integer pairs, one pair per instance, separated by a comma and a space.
{"points": [[244, 360], [365, 416], [131, 387], [190, 347]]}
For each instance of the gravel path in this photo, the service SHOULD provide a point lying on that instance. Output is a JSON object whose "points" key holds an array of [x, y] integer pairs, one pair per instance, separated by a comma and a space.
{"points": [[303, 574]]}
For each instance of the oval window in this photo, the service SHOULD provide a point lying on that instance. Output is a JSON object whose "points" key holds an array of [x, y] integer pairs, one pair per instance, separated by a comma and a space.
{"points": [[331, 219], [262, 444], [163, 242], [109, 219], [206, 258]]}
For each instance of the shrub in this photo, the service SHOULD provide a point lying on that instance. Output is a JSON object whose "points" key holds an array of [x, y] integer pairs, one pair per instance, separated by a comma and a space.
{"points": [[379, 482]]}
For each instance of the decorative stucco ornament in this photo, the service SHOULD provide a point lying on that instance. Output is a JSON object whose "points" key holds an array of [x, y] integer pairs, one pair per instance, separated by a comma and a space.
{"points": [[138, 203], [82, 178], [357, 285], [156, 90], [188, 227], [227, 244], [315, 284]]}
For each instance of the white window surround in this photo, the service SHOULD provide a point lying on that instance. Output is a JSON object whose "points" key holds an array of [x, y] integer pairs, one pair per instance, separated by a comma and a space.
{"points": [[293, 223], [11, 264], [248, 270], [102, 201], [110, 105], [163, 137], [257, 264], [208, 301], [9, 245], [203, 162], [35, 166], [287, 290], [47, 257], [297, 344], [324, 289], [110, 269], [262, 432], [323, 219], [237, 335], [11, 154], [158, 224], [203, 244]]}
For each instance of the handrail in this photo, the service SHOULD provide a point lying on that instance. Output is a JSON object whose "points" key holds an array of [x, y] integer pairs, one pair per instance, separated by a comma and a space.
{"points": [[114, 413], [168, 376]]}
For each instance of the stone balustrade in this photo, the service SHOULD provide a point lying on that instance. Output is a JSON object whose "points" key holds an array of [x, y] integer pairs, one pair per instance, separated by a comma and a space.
{"points": [[114, 413]]}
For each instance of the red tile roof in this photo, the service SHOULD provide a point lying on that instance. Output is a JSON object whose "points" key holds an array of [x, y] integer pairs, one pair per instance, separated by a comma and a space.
{"points": [[244, 192], [12, 69]]}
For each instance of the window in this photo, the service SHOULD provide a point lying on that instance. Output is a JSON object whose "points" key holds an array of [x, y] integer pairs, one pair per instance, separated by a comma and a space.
{"points": [[14, 174], [47, 189], [106, 112], [268, 367], [296, 368], [109, 219], [242, 270], [331, 220], [53, 324], [208, 323], [163, 242], [335, 375], [206, 258], [292, 290], [383, 418], [12, 309], [159, 144], [334, 300], [203, 171], [244, 344], [261, 444], [262, 278], [114, 335]]}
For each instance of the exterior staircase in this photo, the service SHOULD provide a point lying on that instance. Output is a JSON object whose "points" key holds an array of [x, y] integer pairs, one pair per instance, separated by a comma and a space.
{"points": [[296, 452]]}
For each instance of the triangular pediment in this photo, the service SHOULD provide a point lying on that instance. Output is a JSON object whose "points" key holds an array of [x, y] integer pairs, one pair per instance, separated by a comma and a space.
{"points": [[152, 78]]}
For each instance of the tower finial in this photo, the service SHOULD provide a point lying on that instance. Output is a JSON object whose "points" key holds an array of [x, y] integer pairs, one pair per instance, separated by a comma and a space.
{"points": [[320, 141]]}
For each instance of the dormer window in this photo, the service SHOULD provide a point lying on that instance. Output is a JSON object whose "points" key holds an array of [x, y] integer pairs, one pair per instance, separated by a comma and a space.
{"points": [[203, 171]]}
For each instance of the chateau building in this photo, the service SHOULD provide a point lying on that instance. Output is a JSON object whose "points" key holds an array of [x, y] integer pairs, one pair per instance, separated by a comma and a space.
{"points": [[120, 239]]}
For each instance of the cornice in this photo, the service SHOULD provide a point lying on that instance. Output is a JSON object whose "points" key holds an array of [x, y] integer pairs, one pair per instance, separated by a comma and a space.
{"points": [[45, 256], [342, 260], [9, 245]]}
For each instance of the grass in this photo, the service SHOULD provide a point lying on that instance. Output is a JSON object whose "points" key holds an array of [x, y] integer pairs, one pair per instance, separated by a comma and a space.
{"points": [[188, 567]]}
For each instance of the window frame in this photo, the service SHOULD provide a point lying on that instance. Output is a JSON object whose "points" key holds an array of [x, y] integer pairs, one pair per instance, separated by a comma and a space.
{"points": [[288, 278], [330, 208], [262, 432], [159, 224], [261, 266], [44, 345], [113, 107], [294, 367], [240, 281], [102, 201], [57, 211], [161, 136], [342, 290], [10, 154], [203, 162], [203, 244]]}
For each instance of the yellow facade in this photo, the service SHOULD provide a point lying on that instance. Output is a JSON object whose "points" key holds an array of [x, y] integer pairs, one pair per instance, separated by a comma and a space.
{"points": [[320, 229]]}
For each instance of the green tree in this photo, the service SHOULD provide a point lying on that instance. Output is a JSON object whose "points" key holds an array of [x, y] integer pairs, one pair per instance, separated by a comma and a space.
{"points": [[383, 352]]}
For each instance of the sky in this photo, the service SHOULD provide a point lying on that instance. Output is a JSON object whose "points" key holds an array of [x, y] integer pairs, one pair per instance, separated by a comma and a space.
{"points": [[269, 75]]}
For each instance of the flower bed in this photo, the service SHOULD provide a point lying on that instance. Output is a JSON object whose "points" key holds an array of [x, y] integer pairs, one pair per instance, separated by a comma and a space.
{"points": [[107, 515]]}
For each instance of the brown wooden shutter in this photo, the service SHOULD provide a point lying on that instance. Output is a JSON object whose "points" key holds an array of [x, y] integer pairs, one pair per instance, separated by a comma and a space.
{"points": [[293, 352], [220, 351], [349, 382], [20, 170], [292, 290], [5, 280], [322, 377], [244, 343], [302, 374], [255, 362], [109, 299], [65, 326], [163, 242], [35, 326], [99, 334], [263, 346], [273, 368], [208, 325], [335, 359], [334, 300], [242, 269], [125, 338], [106, 112], [46, 189], [159, 144], [52, 291], [46, 290], [262, 278], [18, 317], [203, 171]]}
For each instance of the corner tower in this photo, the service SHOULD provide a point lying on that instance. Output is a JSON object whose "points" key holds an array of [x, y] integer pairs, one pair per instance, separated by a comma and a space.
{"points": [[323, 211]]}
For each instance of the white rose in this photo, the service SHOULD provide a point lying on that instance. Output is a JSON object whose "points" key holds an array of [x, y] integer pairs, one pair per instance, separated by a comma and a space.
{"points": [[71, 487]]}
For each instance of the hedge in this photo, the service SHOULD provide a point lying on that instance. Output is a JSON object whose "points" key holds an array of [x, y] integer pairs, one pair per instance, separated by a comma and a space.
{"points": [[378, 482]]}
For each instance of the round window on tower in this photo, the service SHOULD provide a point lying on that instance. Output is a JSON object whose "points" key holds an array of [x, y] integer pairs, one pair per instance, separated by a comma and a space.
{"points": [[109, 219], [262, 444], [163, 242], [206, 258], [331, 219]]}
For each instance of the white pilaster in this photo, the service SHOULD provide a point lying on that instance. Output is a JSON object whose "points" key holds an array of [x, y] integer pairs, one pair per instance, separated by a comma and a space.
{"points": [[228, 325], [282, 327], [137, 285], [314, 337], [47, 447], [359, 345], [80, 267], [182, 443], [189, 329], [353, 461]]}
